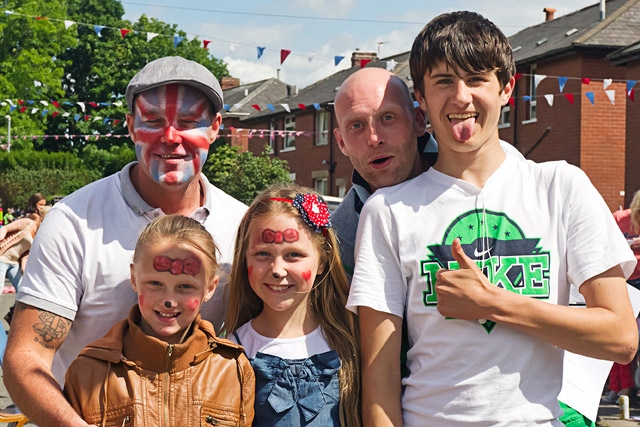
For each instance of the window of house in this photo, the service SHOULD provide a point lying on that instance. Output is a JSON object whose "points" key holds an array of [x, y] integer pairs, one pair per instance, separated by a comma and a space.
{"points": [[322, 127], [532, 115], [505, 117], [290, 136], [320, 185]]}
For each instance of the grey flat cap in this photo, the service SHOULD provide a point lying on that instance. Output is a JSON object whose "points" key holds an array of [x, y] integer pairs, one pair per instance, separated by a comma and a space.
{"points": [[175, 69]]}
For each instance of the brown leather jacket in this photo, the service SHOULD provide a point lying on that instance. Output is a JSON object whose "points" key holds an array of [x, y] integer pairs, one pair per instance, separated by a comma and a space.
{"points": [[128, 378]]}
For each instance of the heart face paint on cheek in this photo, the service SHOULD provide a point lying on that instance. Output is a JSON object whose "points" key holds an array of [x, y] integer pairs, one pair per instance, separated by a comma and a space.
{"points": [[249, 270], [193, 304], [306, 275], [140, 300]]}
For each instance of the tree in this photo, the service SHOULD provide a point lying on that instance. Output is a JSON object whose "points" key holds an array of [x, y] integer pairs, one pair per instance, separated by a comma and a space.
{"points": [[241, 174]]}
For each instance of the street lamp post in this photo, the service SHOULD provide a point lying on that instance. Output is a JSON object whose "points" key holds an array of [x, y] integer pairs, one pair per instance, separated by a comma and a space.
{"points": [[8, 117]]}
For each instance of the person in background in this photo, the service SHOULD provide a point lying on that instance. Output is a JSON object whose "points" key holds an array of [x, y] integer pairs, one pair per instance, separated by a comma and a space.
{"points": [[76, 285], [287, 295], [164, 364], [34, 205]]}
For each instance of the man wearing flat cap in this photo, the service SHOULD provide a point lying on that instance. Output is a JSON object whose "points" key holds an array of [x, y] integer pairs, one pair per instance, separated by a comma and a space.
{"points": [[76, 285]]}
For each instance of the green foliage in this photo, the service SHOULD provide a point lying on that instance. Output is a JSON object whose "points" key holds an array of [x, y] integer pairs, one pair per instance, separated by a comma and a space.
{"points": [[241, 174]]}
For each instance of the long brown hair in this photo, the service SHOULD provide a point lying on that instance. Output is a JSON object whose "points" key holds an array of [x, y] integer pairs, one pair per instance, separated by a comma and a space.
{"points": [[635, 212], [327, 299]]}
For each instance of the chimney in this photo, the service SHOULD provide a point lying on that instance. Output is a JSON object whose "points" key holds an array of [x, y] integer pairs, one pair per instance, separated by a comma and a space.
{"points": [[357, 56], [549, 11], [229, 82]]}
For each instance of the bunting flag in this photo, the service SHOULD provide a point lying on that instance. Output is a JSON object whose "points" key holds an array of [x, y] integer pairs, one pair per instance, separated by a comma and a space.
{"points": [[271, 107], [283, 55], [260, 51], [517, 76], [310, 57], [337, 59], [632, 94], [256, 106], [391, 65], [526, 98], [586, 80], [316, 105], [591, 97], [569, 97], [98, 28], [561, 82], [302, 107], [205, 43], [151, 36], [630, 85], [68, 24], [286, 107], [606, 83], [549, 99], [538, 78], [124, 32], [177, 40], [364, 62], [611, 94]]}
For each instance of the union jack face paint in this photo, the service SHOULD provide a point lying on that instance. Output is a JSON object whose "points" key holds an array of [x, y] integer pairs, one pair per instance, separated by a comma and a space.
{"points": [[172, 130]]}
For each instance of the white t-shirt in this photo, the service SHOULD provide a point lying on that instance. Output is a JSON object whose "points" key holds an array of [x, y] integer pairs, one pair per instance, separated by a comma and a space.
{"points": [[286, 348], [78, 266], [535, 228]]}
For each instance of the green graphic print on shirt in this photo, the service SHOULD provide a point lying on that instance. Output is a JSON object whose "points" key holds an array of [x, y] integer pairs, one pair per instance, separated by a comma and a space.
{"points": [[503, 253]]}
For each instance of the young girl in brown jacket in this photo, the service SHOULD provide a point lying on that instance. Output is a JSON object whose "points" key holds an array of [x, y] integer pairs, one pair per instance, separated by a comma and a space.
{"points": [[164, 365]]}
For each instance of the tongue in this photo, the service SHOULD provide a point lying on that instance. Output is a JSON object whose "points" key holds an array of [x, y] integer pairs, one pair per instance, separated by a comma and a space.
{"points": [[463, 129]]}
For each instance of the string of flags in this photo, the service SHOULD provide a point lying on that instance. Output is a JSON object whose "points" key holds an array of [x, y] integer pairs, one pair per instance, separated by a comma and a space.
{"points": [[284, 53]]}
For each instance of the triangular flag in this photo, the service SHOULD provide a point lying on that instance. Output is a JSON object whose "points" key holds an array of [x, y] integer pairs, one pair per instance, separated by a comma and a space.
{"points": [[632, 94], [97, 29], [271, 107], [391, 65], [150, 36], [569, 97], [538, 78], [517, 76], [311, 56], [23, 109], [67, 24], [337, 59], [286, 107], [81, 104], [76, 117], [591, 97], [283, 54], [302, 106], [55, 113], [86, 118], [364, 62], [256, 106], [586, 80], [177, 40], [56, 103], [611, 94], [124, 32], [205, 43], [606, 83], [34, 110], [45, 103], [561, 82], [526, 98], [226, 107], [260, 51], [44, 112], [316, 106], [12, 108], [549, 99], [93, 104], [630, 85]]}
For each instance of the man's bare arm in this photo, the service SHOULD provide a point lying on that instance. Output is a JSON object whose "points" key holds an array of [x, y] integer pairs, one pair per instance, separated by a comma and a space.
{"points": [[34, 338], [380, 338]]}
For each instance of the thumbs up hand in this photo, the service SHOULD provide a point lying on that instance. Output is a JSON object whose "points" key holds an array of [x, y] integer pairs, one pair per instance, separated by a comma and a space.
{"points": [[465, 293]]}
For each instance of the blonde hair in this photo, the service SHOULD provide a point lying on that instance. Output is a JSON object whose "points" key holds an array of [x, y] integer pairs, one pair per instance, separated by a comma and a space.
{"points": [[327, 298], [180, 230], [635, 212]]}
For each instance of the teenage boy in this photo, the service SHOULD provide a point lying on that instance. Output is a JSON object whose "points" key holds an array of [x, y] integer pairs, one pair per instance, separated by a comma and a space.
{"points": [[478, 253]]}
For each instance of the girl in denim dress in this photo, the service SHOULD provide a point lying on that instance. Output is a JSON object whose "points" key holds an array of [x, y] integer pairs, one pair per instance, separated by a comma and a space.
{"points": [[287, 297]]}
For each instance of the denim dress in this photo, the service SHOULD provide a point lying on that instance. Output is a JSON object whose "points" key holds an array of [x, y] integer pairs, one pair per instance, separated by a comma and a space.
{"points": [[301, 392]]}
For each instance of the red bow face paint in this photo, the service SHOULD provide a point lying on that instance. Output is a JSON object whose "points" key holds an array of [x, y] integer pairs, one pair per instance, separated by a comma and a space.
{"points": [[289, 235], [189, 265], [172, 132]]}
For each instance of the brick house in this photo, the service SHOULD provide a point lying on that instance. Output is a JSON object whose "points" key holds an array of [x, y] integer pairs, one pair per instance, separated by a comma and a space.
{"points": [[594, 133]]}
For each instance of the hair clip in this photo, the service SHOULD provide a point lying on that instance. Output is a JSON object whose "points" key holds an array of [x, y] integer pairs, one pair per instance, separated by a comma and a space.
{"points": [[312, 208]]}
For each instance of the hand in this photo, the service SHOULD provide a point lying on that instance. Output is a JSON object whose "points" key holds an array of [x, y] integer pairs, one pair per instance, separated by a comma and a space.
{"points": [[3, 233], [465, 293], [633, 244]]}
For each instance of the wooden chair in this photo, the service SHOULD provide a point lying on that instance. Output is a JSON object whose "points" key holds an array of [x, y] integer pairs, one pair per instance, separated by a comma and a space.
{"points": [[11, 415]]}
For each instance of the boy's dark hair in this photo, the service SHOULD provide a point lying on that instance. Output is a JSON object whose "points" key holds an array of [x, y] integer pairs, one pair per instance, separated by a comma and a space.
{"points": [[464, 41]]}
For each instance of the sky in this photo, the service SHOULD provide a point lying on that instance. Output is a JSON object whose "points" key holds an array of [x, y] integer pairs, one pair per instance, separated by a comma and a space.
{"points": [[315, 31]]}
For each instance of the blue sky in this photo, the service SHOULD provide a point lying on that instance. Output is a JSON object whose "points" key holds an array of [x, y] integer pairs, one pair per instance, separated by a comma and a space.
{"points": [[321, 29]]}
